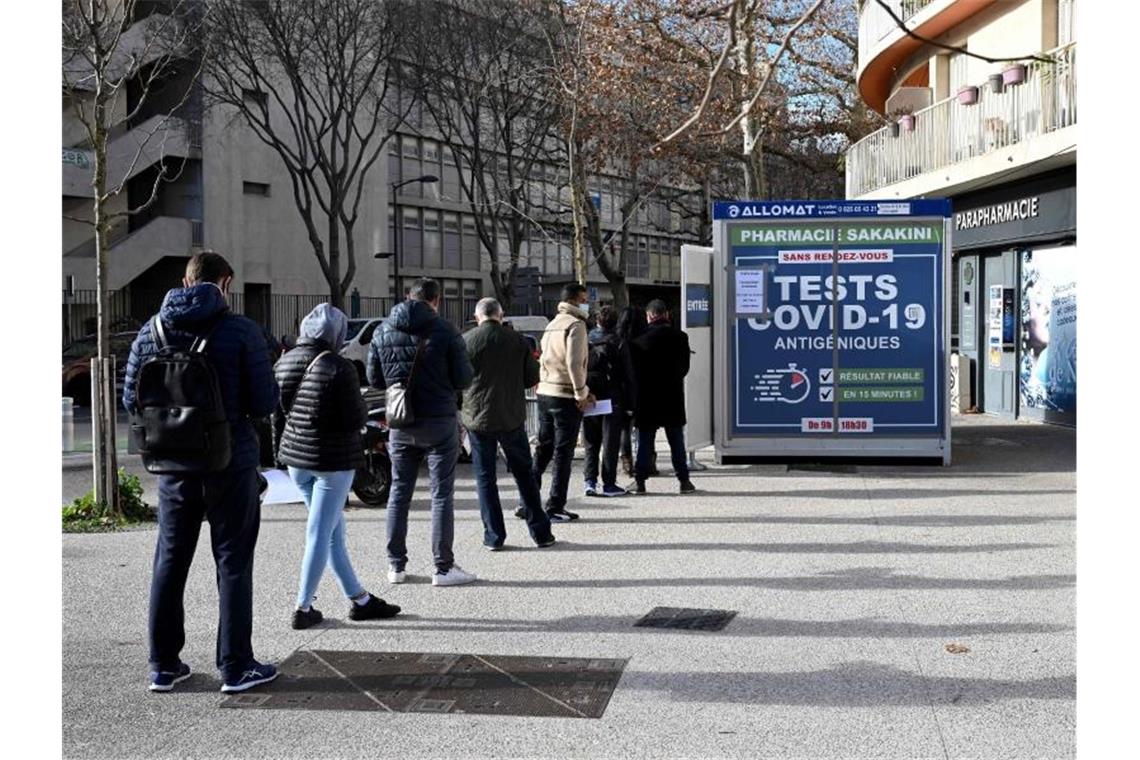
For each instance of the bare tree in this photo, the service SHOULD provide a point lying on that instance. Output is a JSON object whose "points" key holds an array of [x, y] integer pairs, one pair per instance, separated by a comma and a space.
{"points": [[479, 67], [617, 98], [310, 78], [110, 48], [754, 39]]}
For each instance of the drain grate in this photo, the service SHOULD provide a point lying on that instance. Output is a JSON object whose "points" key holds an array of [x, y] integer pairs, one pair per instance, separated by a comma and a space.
{"points": [[439, 683], [687, 619]]}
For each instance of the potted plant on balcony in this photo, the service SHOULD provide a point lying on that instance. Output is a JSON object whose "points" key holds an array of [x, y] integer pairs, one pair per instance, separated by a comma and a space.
{"points": [[996, 84], [1013, 74], [968, 95], [906, 119]]}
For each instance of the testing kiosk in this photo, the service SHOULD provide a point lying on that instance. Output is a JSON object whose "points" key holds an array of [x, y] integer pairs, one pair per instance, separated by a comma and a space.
{"points": [[830, 330]]}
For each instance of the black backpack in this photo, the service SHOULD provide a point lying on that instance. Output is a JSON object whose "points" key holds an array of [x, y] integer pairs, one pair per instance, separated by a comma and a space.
{"points": [[179, 422], [600, 370]]}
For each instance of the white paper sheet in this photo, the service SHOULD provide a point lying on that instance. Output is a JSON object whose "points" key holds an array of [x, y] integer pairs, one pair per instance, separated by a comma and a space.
{"points": [[602, 406], [750, 291], [282, 489]]}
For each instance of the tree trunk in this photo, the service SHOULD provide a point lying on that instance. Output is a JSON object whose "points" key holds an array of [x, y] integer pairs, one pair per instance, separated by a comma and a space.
{"points": [[104, 455], [705, 231], [620, 291], [579, 237], [755, 181], [336, 291]]}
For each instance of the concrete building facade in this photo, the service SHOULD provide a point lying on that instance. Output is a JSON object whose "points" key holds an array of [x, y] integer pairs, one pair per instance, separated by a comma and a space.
{"points": [[231, 194], [997, 137]]}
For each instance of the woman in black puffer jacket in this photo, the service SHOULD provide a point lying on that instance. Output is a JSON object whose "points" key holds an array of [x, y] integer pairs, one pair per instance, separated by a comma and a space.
{"points": [[318, 424]]}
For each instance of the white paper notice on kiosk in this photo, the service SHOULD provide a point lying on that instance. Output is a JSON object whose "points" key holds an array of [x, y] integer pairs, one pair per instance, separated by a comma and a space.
{"points": [[750, 291]]}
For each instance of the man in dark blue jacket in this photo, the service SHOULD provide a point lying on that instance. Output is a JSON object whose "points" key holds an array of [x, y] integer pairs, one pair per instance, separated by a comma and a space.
{"points": [[442, 370], [228, 499]]}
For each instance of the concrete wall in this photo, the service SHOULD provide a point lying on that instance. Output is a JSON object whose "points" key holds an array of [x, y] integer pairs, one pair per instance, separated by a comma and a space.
{"points": [[1019, 30], [263, 236]]}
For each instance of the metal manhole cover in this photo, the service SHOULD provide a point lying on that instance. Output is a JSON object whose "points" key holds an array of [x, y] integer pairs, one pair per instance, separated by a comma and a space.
{"points": [[563, 687], [687, 619]]}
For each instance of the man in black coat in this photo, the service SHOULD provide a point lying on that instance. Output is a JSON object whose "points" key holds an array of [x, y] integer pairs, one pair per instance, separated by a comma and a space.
{"points": [[237, 350], [418, 348], [659, 361]]}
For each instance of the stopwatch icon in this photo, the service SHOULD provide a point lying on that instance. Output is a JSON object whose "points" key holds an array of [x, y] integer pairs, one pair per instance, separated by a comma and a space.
{"points": [[790, 386]]}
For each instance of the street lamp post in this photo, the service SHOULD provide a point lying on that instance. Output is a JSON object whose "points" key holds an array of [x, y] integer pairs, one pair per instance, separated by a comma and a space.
{"points": [[397, 229]]}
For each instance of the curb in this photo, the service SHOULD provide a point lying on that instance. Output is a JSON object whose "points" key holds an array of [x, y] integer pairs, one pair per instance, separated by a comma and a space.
{"points": [[82, 459]]}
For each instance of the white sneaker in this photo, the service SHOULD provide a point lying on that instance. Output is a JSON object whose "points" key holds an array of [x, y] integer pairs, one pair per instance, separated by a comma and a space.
{"points": [[456, 576], [396, 576]]}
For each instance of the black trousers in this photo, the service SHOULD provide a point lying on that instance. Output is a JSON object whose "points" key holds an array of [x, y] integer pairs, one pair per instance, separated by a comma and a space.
{"points": [[228, 500], [558, 423], [603, 440]]}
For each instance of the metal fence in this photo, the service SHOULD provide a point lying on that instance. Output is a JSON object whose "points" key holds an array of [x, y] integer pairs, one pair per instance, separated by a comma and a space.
{"points": [[280, 313]]}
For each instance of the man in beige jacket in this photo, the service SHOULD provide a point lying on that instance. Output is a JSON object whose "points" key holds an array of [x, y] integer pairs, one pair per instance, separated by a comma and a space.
{"points": [[562, 396]]}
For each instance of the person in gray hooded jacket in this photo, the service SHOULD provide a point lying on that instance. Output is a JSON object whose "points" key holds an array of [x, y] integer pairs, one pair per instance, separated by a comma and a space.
{"points": [[319, 422]]}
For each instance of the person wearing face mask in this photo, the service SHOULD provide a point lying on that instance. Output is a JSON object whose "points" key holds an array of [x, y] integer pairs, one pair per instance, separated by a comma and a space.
{"points": [[318, 423], [562, 396], [198, 314]]}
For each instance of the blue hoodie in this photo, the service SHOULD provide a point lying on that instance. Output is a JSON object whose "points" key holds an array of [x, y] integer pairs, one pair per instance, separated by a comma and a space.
{"points": [[236, 348], [443, 369]]}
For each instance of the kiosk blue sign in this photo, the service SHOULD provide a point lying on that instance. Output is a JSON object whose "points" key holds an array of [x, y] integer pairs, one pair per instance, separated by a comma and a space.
{"points": [[698, 298], [851, 341]]}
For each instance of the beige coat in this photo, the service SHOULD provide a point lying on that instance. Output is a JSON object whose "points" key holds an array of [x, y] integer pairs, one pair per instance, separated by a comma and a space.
{"points": [[565, 353]]}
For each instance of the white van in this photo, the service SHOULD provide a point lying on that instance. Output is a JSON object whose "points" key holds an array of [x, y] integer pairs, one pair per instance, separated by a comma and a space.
{"points": [[532, 328], [356, 343]]}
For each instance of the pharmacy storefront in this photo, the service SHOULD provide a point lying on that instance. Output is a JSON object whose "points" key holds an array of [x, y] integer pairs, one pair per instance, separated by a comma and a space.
{"points": [[1015, 295]]}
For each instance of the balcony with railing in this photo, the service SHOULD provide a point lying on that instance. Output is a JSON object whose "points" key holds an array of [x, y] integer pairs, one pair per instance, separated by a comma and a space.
{"points": [[876, 25], [952, 133], [887, 52]]}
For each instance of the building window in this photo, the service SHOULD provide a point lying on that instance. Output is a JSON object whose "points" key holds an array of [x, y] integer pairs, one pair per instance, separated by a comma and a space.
{"points": [[409, 146], [433, 244], [255, 188], [1066, 13]]}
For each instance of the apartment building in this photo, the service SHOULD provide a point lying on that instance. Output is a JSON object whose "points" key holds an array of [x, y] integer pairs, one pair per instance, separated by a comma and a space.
{"points": [[226, 191], [230, 193], [999, 139]]}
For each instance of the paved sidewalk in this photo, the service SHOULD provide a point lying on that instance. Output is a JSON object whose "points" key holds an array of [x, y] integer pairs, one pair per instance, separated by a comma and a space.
{"points": [[848, 588]]}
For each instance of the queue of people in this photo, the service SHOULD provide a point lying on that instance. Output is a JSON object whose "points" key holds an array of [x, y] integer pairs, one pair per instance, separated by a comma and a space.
{"points": [[199, 376]]}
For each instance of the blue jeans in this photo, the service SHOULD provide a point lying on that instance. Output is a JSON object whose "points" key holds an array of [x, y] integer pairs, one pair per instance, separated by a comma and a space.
{"points": [[646, 448], [228, 500], [437, 438], [558, 424], [325, 495], [483, 460]]}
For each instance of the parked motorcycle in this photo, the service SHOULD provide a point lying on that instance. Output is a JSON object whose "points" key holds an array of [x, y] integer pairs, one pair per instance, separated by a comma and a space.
{"points": [[373, 481]]}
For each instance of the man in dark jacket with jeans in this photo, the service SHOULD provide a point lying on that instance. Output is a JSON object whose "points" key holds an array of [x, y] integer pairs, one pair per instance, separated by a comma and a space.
{"points": [[424, 352], [659, 359], [237, 350], [494, 413]]}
